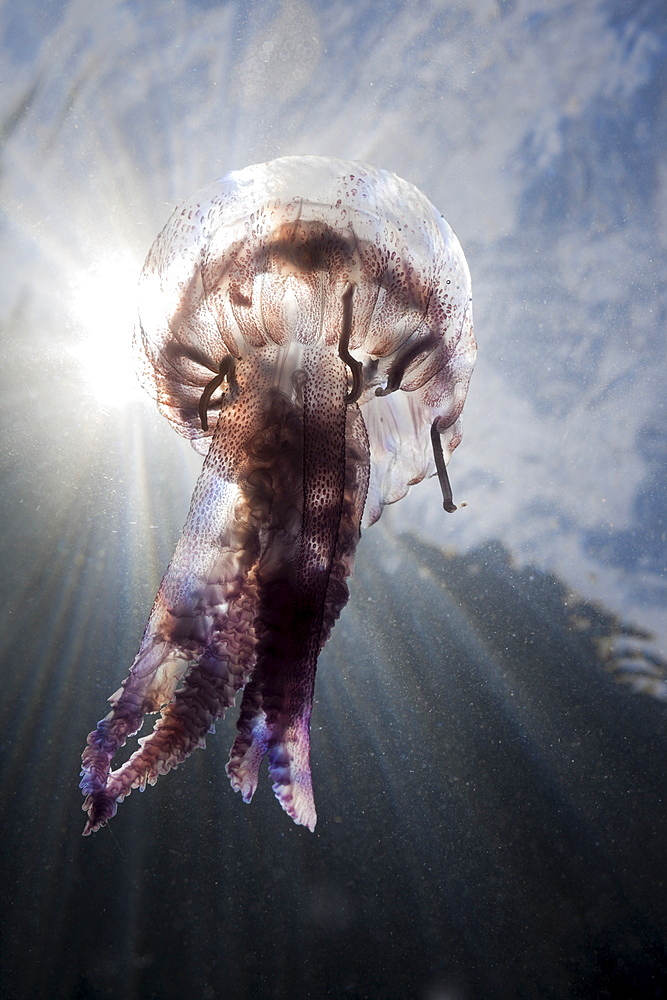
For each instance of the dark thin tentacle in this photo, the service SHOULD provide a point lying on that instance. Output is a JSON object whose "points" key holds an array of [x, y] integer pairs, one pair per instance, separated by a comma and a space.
{"points": [[402, 362], [176, 350], [227, 367], [344, 344], [447, 501]]}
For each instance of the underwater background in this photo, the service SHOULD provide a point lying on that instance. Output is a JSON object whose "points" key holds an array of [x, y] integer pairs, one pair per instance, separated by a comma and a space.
{"points": [[488, 736]]}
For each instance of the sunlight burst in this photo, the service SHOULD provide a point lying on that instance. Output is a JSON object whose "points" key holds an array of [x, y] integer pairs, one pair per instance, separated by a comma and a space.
{"points": [[104, 304]]}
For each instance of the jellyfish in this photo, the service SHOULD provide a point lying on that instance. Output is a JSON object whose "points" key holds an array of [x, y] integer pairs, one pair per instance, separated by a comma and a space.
{"points": [[307, 324]]}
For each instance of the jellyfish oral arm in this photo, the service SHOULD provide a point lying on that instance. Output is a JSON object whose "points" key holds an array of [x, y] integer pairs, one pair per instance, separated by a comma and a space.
{"points": [[293, 575], [244, 601], [200, 635]]}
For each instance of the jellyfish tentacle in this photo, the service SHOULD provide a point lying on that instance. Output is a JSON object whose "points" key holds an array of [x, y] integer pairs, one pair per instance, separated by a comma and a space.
{"points": [[227, 368], [441, 470], [403, 361], [356, 367]]}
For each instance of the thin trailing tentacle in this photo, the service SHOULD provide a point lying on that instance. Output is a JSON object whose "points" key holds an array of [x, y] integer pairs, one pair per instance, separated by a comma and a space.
{"points": [[227, 368], [402, 362], [441, 469], [356, 367]]}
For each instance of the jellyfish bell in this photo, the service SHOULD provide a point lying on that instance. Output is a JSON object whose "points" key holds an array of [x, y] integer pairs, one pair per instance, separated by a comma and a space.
{"points": [[307, 324], [264, 256]]}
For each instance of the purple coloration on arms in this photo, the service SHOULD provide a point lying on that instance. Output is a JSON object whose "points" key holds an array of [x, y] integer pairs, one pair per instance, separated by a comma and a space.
{"points": [[335, 301]]}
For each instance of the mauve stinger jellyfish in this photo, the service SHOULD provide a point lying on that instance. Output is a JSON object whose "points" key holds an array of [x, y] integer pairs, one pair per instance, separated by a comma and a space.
{"points": [[307, 324]]}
